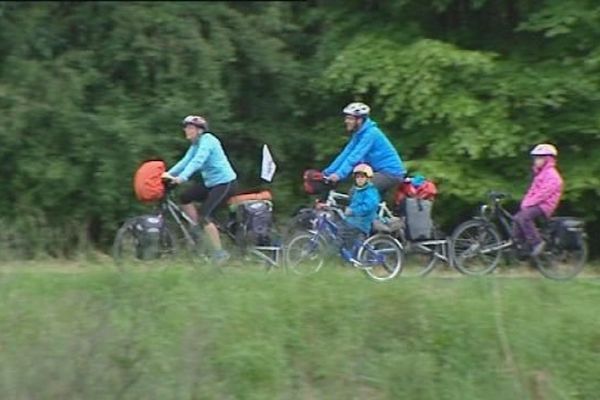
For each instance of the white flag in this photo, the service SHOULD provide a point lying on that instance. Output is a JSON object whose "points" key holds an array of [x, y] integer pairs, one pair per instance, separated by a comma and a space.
{"points": [[268, 165]]}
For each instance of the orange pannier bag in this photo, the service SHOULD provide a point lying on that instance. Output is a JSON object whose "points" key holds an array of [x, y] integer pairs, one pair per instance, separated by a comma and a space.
{"points": [[147, 183], [253, 196]]}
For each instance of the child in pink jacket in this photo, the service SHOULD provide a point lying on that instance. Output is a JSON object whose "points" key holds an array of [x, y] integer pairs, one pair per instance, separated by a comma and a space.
{"points": [[541, 198]]}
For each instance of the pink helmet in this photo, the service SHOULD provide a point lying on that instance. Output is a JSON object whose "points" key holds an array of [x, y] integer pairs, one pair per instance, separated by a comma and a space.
{"points": [[544, 149], [195, 120]]}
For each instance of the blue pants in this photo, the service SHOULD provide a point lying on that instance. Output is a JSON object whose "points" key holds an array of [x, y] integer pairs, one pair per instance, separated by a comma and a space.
{"points": [[348, 234]]}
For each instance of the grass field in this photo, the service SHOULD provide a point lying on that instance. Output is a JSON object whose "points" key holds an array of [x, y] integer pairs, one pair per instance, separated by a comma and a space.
{"points": [[243, 334]]}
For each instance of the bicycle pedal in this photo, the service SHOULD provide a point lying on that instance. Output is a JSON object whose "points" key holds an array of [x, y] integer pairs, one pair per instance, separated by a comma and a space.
{"points": [[358, 264]]}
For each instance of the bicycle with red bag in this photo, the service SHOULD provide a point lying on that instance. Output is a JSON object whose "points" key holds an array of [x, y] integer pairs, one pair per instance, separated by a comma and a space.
{"points": [[423, 243], [163, 233]]}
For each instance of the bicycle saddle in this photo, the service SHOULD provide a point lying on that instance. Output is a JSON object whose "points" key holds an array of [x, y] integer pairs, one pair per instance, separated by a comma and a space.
{"points": [[379, 226]]}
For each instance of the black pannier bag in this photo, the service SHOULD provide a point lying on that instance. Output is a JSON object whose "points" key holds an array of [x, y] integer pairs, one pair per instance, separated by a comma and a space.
{"points": [[254, 222], [567, 232], [147, 231]]}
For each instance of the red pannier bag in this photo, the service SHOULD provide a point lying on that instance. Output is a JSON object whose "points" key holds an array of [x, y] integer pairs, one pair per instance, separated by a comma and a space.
{"points": [[314, 182], [147, 183], [425, 191]]}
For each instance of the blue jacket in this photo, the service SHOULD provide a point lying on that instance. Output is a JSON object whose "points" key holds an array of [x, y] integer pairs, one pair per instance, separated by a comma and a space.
{"points": [[371, 146], [205, 154], [364, 202]]}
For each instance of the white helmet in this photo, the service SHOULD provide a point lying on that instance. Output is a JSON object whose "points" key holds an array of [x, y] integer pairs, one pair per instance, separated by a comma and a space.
{"points": [[544, 149], [195, 120], [357, 109]]}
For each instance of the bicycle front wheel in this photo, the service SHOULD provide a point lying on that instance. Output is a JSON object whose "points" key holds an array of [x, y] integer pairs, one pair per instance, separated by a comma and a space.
{"points": [[131, 250], [560, 263], [381, 256], [476, 247], [305, 254]]}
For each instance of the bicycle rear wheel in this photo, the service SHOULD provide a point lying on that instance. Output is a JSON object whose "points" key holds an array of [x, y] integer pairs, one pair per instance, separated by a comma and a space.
{"points": [[420, 258], [560, 263], [305, 254], [381, 256], [476, 247], [129, 251]]}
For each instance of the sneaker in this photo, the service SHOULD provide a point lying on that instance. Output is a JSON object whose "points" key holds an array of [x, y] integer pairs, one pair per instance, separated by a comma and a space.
{"points": [[538, 248], [220, 257], [346, 254]]}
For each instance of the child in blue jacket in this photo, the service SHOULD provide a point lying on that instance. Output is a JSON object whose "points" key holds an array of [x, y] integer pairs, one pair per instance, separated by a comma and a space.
{"points": [[362, 211]]}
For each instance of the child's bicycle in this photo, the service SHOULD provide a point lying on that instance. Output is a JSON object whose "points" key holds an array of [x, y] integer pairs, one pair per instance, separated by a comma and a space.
{"points": [[477, 245], [168, 232], [420, 256], [379, 256]]}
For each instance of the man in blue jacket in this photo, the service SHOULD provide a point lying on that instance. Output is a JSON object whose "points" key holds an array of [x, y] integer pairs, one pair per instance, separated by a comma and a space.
{"points": [[206, 155], [368, 144]]}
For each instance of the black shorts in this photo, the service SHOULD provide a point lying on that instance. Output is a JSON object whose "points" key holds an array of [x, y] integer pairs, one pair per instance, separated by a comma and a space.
{"points": [[384, 182], [211, 198]]}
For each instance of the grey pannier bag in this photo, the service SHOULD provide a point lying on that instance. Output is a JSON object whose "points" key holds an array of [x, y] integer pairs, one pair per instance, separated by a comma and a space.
{"points": [[418, 218]]}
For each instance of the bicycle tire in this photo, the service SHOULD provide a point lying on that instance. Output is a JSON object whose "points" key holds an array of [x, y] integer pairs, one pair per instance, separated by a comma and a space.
{"points": [[304, 247], [463, 247], [390, 267], [547, 262], [420, 256]]}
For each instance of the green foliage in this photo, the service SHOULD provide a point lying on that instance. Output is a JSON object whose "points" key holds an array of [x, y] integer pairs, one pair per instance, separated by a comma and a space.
{"points": [[91, 90], [463, 89], [468, 117]]}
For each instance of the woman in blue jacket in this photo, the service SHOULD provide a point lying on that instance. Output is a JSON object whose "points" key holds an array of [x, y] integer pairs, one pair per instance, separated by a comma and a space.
{"points": [[206, 155], [368, 144]]}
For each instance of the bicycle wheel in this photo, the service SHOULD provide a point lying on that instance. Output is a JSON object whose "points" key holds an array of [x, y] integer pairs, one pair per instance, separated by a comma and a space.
{"points": [[305, 254], [302, 221], [419, 258], [129, 250], [381, 254], [476, 247], [560, 263]]}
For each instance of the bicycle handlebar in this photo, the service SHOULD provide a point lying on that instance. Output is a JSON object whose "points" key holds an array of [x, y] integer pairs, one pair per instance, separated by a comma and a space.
{"points": [[496, 196], [169, 184]]}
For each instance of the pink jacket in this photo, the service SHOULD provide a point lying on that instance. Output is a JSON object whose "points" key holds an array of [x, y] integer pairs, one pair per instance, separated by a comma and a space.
{"points": [[545, 189]]}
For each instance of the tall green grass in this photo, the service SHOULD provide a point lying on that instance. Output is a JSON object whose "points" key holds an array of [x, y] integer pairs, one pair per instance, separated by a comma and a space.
{"points": [[243, 334]]}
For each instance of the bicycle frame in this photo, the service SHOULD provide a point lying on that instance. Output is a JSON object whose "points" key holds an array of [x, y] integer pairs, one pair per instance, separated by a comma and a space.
{"points": [[497, 213], [168, 206], [500, 214], [326, 229], [383, 212]]}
